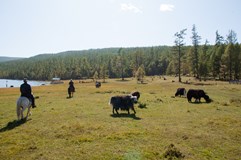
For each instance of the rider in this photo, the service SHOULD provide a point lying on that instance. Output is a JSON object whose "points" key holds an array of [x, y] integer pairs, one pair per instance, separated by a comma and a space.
{"points": [[71, 88], [71, 85], [26, 91]]}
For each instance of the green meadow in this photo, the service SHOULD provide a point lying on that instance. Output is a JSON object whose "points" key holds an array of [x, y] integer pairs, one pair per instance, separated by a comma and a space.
{"points": [[83, 127]]}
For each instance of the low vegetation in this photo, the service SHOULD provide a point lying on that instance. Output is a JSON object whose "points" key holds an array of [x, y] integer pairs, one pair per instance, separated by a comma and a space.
{"points": [[83, 127]]}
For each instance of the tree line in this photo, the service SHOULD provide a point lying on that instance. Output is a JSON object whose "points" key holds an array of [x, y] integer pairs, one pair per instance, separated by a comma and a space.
{"points": [[220, 61]]}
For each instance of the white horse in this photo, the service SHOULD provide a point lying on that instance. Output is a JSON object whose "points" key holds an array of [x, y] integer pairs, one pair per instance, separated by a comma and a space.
{"points": [[22, 104]]}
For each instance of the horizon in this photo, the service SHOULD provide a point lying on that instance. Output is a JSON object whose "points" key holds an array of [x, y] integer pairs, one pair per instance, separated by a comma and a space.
{"points": [[50, 27]]}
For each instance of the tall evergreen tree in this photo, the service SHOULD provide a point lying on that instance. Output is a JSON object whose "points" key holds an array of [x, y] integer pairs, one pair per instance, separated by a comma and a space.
{"points": [[121, 63], [203, 67], [195, 41], [237, 62], [217, 53], [179, 43], [231, 37], [229, 54], [219, 39], [228, 59]]}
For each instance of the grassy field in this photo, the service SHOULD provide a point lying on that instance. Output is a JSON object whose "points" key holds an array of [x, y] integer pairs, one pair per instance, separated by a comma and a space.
{"points": [[83, 127]]}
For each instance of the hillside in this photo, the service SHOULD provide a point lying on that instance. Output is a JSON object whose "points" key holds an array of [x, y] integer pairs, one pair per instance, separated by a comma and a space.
{"points": [[84, 63], [217, 62], [6, 59]]}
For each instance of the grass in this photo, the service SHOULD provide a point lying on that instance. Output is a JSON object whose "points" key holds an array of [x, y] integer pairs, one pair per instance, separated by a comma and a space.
{"points": [[83, 127]]}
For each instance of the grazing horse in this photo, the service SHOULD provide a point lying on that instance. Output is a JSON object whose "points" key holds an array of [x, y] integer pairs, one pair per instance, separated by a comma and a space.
{"points": [[22, 104], [71, 91]]}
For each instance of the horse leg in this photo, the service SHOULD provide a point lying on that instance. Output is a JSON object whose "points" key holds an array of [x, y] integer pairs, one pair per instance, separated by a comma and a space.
{"points": [[21, 112], [28, 112], [18, 112], [69, 92]]}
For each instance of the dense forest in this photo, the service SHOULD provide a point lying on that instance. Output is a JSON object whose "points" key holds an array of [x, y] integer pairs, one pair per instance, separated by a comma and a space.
{"points": [[219, 61]]}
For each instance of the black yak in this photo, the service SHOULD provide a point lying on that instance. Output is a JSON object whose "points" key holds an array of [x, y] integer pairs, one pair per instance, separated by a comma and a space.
{"points": [[180, 92], [125, 102], [97, 84], [197, 94]]}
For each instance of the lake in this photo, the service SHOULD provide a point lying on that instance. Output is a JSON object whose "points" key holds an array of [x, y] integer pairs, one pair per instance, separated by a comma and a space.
{"points": [[6, 83]]}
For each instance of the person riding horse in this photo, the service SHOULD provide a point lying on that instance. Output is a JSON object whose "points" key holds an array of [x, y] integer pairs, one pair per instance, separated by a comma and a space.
{"points": [[71, 88], [26, 91]]}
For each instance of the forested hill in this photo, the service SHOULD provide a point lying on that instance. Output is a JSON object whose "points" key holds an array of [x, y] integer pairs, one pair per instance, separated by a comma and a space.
{"points": [[107, 62], [6, 59], [218, 61]]}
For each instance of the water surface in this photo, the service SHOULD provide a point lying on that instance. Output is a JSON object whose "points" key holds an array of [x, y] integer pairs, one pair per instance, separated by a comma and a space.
{"points": [[6, 83]]}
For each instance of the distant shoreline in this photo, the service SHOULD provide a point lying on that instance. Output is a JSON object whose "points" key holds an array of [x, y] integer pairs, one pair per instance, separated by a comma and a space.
{"points": [[10, 83]]}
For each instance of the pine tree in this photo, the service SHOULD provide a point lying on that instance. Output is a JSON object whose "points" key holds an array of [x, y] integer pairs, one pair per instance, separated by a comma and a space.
{"points": [[195, 41], [179, 43], [203, 67]]}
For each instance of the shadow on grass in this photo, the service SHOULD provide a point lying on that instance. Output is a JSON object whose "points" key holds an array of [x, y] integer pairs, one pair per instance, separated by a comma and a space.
{"points": [[13, 124], [124, 115], [199, 102], [69, 97], [184, 97], [125, 80]]}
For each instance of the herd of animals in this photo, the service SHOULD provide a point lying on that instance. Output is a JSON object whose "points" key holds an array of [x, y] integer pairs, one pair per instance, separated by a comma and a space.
{"points": [[125, 102]]}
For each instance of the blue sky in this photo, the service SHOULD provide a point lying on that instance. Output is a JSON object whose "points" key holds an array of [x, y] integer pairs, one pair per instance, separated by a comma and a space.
{"points": [[32, 27]]}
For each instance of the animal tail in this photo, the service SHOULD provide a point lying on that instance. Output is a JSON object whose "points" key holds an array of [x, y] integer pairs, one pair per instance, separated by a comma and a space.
{"points": [[110, 101]]}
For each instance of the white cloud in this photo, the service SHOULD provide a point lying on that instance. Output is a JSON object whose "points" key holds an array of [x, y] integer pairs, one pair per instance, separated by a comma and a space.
{"points": [[130, 7], [166, 7]]}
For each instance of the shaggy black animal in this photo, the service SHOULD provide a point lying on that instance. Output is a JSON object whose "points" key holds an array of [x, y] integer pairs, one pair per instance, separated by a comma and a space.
{"points": [[123, 102], [197, 94], [137, 94], [180, 92], [97, 84]]}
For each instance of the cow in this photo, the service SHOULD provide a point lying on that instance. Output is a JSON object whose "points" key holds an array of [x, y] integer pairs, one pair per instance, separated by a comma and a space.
{"points": [[197, 94], [137, 94], [97, 84], [180, 92], [124, 102]]}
